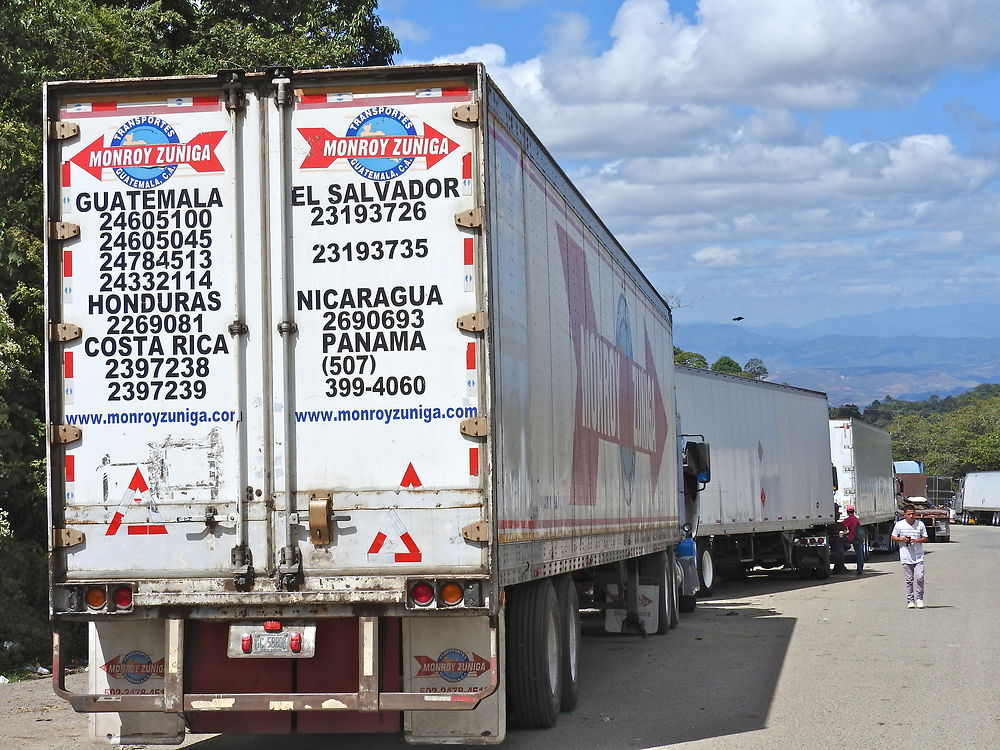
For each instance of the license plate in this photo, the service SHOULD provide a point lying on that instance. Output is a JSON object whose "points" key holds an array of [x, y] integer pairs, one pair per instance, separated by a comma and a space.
{"points": [[268, 644], [271, 643]]}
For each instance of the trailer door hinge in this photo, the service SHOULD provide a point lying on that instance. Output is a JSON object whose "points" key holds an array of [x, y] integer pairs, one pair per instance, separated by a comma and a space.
{"points": [[232, 88], [60, 130], [64, 332], [66, 433], [474, 427], [466, 112], [67, 538], [477, 532], [63, 230], [472, 219], [473, 322]]}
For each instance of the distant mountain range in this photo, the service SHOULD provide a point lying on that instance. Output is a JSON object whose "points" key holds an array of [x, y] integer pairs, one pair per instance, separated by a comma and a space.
{"points": [[909, 354]]}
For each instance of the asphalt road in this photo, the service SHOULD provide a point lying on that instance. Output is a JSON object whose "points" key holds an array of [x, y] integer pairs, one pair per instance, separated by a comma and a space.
{"points": [[772, 662]]}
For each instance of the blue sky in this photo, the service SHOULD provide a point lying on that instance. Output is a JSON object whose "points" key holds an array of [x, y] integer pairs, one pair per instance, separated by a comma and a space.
{"points": [[783, 160]]}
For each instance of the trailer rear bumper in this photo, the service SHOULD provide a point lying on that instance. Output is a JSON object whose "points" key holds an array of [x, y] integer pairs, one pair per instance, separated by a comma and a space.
{"points": [[369, 698]]}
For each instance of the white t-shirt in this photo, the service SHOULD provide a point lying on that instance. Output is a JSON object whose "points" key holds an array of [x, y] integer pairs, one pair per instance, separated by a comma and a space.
{"points": [[914, 552]]}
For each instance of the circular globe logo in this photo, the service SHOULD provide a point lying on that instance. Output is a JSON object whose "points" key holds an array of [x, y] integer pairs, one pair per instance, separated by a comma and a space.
{"points": [[144, 131], [381, 122]]}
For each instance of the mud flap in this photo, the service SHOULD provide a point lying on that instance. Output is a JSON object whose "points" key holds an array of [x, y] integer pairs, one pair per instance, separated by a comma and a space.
{"points": [[450, 657], [127, 658]]}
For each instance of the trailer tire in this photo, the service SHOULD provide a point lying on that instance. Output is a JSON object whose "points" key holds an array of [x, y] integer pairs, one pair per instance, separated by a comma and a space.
{"points": [[676, 589], [706, 571], [534, 655], [569, 609]]}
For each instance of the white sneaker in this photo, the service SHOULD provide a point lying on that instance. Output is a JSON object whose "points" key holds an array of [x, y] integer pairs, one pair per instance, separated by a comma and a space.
{"points": [[910, 605], [920, 603]]}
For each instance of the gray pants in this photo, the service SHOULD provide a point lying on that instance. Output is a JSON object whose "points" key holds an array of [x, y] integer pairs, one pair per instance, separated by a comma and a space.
{"points": [[914, 574]]}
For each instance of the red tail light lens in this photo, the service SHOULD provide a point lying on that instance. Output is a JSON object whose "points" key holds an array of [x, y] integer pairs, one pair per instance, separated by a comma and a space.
{"points": [[123, 597], [422, 593], [272, 626], [295, 642], [246, 643]]}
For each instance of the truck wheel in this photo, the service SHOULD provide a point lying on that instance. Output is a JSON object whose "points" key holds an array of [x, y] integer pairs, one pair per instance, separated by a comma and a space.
{"points": [[569, 609], [706, 571], [676, 590], [534, 654]]}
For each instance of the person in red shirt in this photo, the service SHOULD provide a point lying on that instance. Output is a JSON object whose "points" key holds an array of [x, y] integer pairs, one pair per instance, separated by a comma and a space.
{"points": [[854, 538]]}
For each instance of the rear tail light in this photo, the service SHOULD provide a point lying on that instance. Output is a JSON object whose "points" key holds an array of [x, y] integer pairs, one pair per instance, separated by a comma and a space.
{"points": [[246, 643], [422, 593], [97, 597], [425, 594], [452, 594], [123, 597], [295, 642]]}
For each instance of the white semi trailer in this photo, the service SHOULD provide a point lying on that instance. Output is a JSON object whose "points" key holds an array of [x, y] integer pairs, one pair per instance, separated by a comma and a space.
{"points": [[862, 457], [770, 501], [352, 400], [980, 497]]}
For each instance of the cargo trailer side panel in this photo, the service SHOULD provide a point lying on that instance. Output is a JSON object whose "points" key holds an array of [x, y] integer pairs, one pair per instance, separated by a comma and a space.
{"points": [[862, 454], [981, 491], [582, 360], [770, 452]]}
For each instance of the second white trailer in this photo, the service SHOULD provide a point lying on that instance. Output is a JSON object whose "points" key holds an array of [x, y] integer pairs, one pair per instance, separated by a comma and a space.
{"points": [[862, 456], [980, 495], [770, 501]]}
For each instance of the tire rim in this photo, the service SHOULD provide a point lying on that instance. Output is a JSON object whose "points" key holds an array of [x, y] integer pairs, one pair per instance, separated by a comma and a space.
{"points": [[552, 648], [572, 641], [707, 569]]}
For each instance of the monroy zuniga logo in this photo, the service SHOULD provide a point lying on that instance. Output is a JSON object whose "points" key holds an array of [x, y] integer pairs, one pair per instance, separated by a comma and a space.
{"points": [[135, 666], [146, 151], [618, 396], [380, 144], [453, 664]]}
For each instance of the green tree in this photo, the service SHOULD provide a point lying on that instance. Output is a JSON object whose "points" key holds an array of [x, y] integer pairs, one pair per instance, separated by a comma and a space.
{"points": [[755, 368], [727, 365], [690, 359]]}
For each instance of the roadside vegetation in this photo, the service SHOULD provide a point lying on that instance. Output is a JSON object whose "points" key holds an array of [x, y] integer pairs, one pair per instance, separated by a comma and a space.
{"points": [[46, 40]]}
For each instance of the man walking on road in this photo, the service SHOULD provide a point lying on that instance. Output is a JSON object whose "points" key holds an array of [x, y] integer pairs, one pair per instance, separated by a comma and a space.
{"points": [[911, 534], [854, 537]]}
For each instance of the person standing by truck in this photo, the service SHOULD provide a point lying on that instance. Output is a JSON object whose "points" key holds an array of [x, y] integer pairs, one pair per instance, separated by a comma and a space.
{"points": [[855, 537], [910, 534]]}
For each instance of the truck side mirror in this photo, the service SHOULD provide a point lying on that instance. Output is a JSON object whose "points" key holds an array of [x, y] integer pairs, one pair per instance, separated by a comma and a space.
{"points": [[698, 461]]}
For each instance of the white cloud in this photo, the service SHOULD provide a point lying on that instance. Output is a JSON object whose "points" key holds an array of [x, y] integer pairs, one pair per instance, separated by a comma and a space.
{"points": [[702, 145], [718, 257], [407, 31]]}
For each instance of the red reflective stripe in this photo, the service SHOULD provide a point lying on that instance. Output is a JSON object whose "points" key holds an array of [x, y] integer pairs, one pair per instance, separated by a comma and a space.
{"points": [[468, 251], [413, 555], [470, 356], [467, 167], [67, 365], [474, 462], [201, 101], [313, 99], [377, 544], [67, 263], [461, 91], [70, 468], [104, 106], [65, 174]]}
